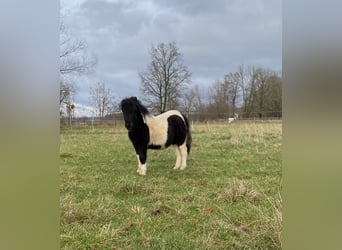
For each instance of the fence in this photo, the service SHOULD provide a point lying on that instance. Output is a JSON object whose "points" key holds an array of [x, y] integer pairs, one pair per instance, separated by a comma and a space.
{"points": [[117, 119]]}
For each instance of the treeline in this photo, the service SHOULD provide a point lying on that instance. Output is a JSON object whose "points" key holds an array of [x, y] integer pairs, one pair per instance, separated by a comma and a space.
{"points": [[250, 92]]}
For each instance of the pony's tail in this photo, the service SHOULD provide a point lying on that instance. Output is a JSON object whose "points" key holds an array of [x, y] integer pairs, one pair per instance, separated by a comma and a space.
{"points": [[188, 134]]}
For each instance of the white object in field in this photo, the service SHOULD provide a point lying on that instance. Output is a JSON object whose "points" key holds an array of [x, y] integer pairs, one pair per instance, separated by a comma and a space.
{"points": [[231, 119]]}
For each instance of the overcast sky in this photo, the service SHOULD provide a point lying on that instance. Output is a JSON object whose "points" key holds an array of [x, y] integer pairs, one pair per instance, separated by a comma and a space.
{"points": [[215, 37]]}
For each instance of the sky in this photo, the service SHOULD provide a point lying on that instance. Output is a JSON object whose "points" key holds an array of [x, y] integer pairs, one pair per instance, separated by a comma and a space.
{"points": [[215, 37]]}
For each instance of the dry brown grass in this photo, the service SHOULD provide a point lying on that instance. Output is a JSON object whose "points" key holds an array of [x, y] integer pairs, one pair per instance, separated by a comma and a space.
{"points": [[238, 190], [242, 132]]}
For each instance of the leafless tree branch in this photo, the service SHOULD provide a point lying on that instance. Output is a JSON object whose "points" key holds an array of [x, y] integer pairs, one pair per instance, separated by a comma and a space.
{"points": [[165, 78]]}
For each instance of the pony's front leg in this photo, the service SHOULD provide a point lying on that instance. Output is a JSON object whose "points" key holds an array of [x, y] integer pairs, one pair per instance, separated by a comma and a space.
{"points": [[142, 161], [139, 164]]}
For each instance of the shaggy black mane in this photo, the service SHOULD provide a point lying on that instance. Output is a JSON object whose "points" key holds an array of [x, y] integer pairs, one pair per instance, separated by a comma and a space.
{"points": [[133, 101]]}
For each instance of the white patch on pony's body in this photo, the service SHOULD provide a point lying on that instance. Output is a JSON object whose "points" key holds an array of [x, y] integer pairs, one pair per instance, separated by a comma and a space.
{"points": [[158, 127]]}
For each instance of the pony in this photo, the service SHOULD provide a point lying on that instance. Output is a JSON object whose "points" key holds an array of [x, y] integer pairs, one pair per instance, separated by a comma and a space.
{"points": [[147, 131]]}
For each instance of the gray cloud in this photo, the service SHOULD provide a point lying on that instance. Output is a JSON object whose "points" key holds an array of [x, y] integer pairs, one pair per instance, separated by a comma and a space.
{"points": [[193, 7], [119, 18], [214, 36]]}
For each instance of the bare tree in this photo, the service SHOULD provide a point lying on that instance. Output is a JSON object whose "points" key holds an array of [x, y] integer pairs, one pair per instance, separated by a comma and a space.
{"points": [[261, 91], [67, 90], [219, 99], [269, 92], [191, 100], [232, 80], [165, 78], [244, 85], [247, 82], [102, 98], [74, 55], [262, 76], [74, 60]]}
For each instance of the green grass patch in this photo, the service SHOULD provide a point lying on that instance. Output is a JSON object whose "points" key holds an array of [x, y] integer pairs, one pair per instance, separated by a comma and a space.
{"points": [[227, 198]]}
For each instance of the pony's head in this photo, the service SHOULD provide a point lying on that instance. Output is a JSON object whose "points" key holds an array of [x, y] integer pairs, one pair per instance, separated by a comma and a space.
{"points": [[132, 111]]}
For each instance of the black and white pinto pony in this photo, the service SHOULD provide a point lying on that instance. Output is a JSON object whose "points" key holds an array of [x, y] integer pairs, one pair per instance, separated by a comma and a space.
{"points": [[147, 131]]}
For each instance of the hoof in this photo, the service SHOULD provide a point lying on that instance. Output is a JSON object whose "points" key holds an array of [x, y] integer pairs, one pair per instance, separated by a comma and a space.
{"points": [[142, 170]]}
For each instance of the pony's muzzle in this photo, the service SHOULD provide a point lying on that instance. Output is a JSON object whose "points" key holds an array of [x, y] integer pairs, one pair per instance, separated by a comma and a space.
{"points": [[128, 125]]}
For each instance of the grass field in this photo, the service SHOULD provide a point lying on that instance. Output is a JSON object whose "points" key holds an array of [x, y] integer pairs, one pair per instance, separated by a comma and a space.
{"points": [[227, 198]]}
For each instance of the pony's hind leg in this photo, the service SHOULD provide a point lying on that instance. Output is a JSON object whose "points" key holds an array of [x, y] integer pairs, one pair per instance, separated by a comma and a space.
{"points": [[178, 157], [184, 155]]}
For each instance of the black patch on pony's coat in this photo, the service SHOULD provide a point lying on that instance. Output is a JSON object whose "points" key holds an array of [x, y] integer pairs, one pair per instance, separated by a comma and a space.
{"points": [[152, 146], [176, 132]]}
